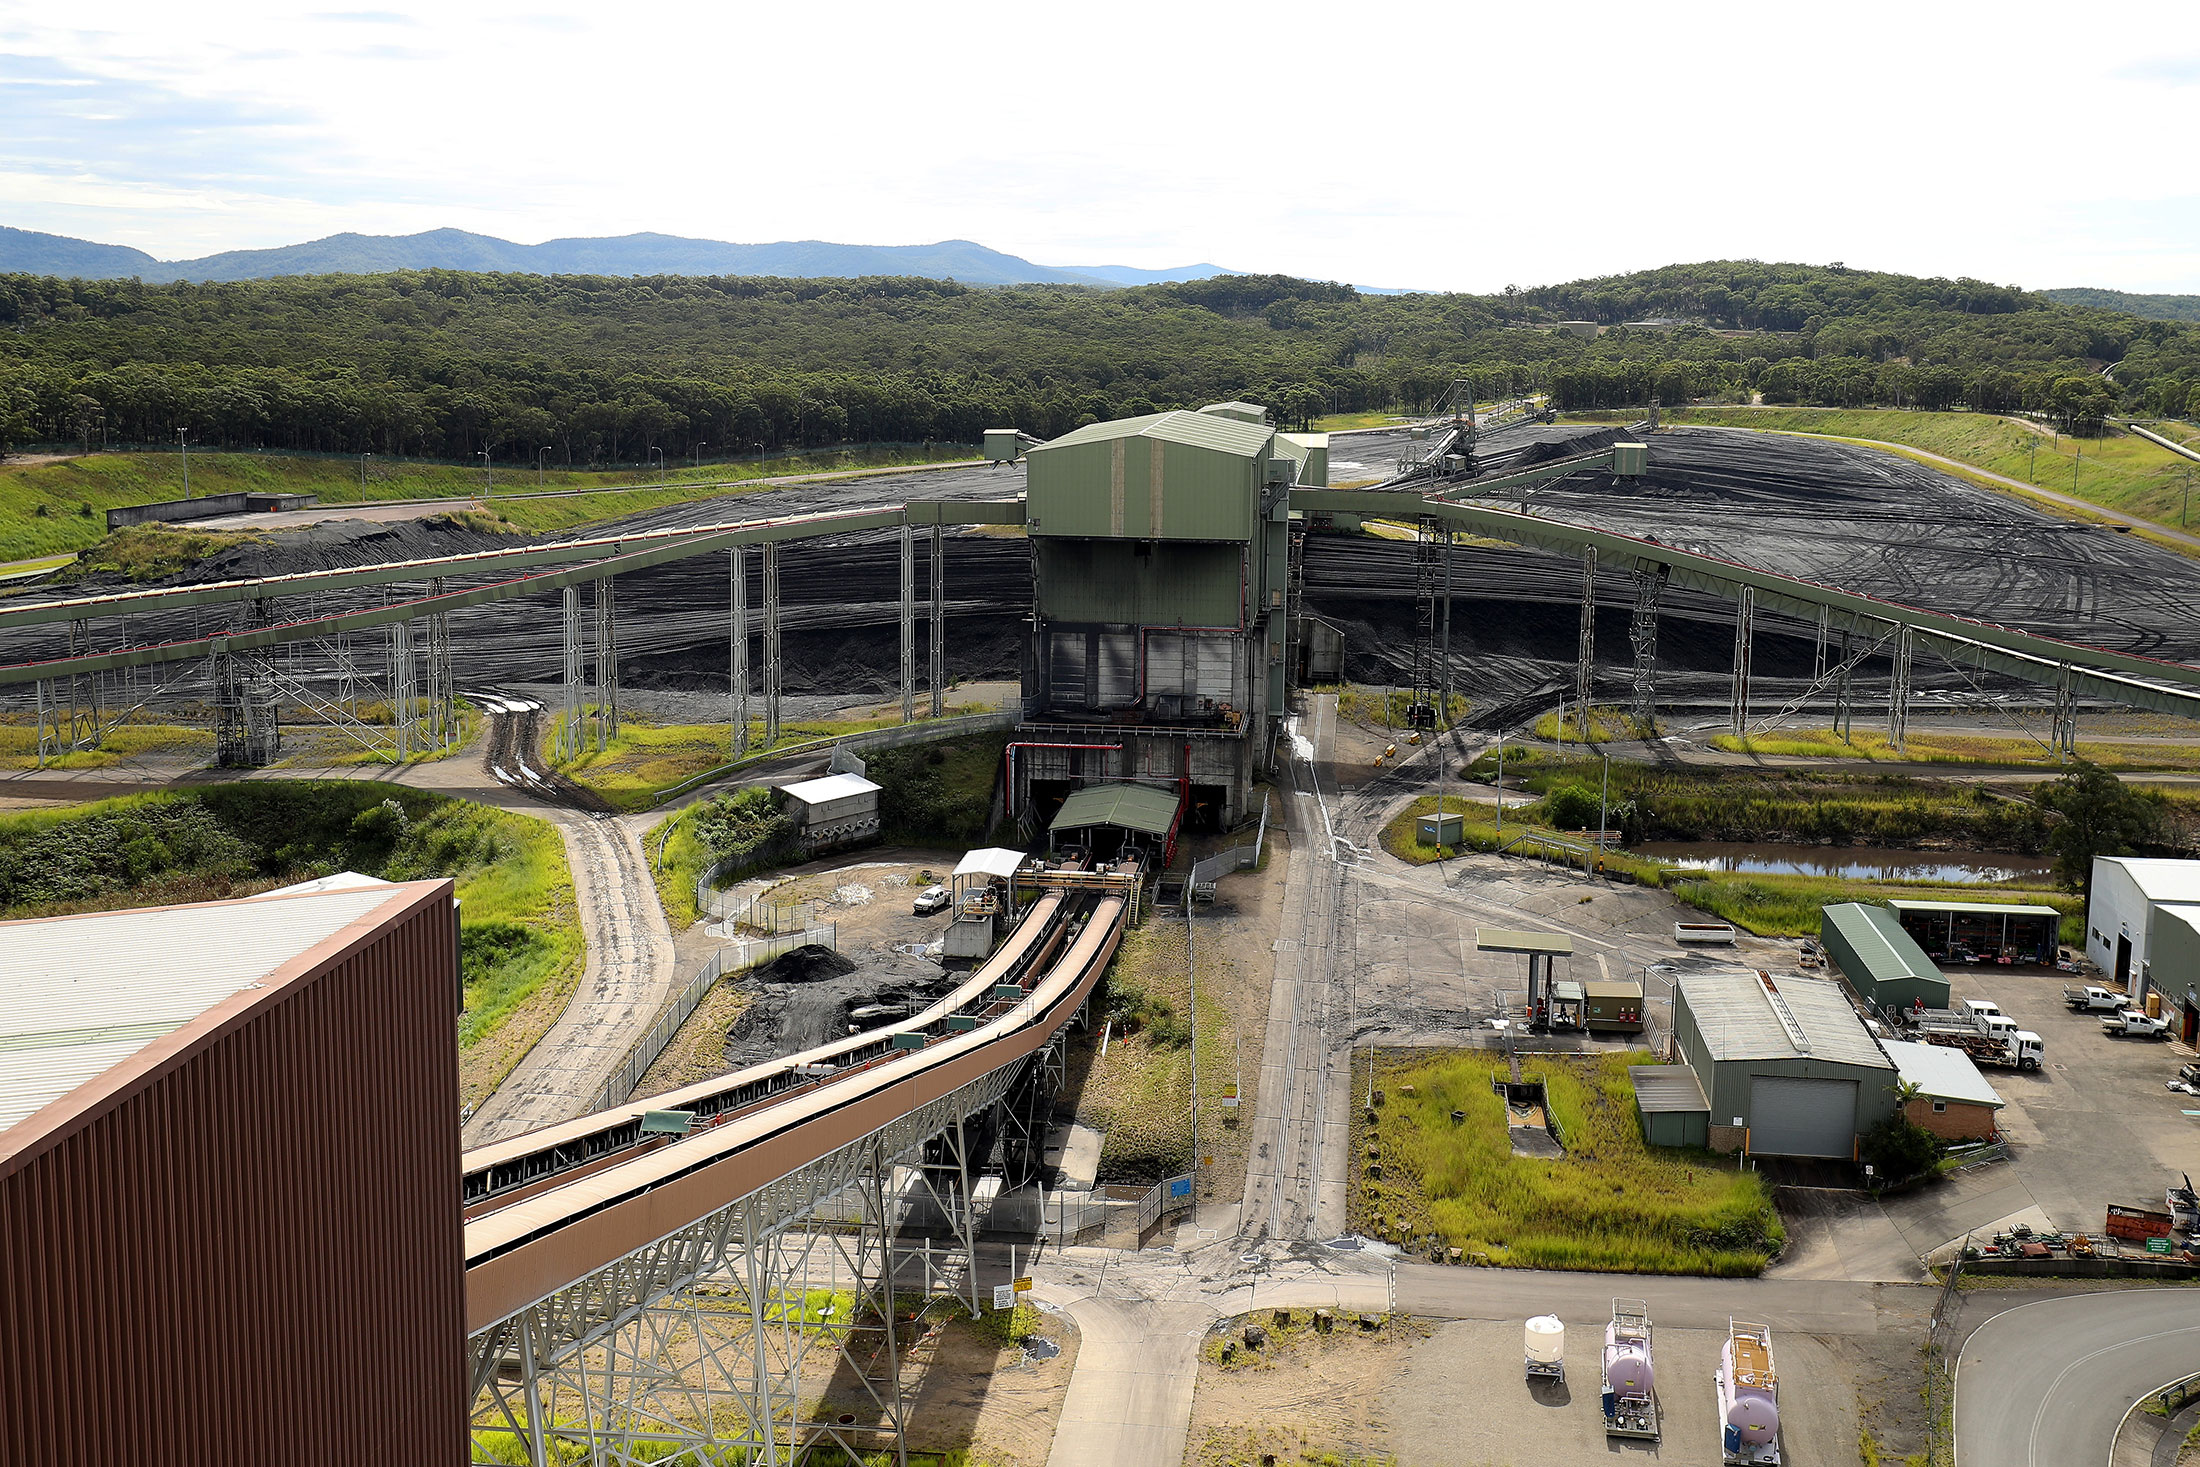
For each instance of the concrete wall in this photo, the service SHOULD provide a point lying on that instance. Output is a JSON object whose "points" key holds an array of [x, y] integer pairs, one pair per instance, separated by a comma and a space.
{"points": [[205, 507]]}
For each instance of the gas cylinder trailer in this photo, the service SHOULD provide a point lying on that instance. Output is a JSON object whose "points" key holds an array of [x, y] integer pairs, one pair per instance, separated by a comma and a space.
{"points": [[1630, 1379]]}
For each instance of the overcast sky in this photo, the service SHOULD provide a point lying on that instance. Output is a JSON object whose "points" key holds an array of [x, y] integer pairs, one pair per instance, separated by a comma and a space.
{"points": [[1442, 146]]}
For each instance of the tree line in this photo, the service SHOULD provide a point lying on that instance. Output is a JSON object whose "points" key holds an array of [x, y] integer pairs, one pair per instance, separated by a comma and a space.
{"points": [[610, 370]]}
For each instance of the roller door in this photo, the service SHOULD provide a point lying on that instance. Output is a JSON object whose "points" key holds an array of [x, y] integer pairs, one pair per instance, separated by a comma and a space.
{"points": [[1795, 1117], [1118, 671], [1066, 671], [1214, 661]]}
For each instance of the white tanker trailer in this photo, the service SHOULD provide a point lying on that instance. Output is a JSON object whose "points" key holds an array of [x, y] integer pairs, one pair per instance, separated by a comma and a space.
{"points": [[1749, 1396], [1630, 1380]]}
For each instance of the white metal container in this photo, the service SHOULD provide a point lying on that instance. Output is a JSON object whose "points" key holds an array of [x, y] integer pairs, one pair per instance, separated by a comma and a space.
{"points": [[1546, 1340]]}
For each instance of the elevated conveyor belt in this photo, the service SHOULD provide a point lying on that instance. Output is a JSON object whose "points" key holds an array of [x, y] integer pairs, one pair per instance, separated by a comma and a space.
{"points": [[539, 1241]]}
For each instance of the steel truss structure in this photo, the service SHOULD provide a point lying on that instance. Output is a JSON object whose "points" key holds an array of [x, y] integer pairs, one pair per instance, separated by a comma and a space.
{"points": [[773, 1325], [1642, 638], [1745, 655], [737, 585], [1432, 613], [1585, 647]]}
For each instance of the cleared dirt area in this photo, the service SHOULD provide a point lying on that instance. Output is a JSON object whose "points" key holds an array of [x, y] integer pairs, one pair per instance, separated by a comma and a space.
{"points": [[991, 1388], [1424, 1394]]}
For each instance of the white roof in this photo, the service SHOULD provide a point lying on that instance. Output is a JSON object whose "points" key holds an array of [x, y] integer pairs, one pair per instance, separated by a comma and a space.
{"points": [[991, 861], [831, 787], [1941, 1073], [341, 881], [79, 995], [2159, 878]]}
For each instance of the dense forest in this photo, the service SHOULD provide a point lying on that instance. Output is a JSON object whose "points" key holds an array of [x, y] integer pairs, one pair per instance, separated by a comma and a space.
{"points": [[604, 370]]}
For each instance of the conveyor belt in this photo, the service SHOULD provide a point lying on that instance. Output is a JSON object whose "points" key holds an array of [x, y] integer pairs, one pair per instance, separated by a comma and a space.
{"points": [[535, 1245]]}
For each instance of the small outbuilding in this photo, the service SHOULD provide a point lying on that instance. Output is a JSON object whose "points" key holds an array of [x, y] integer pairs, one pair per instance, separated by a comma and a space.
{"points": [[1881, 960], [1969, 932], [1788, 1066], [838, 810], [1116, 815], [1615, 1006], [1954, 1101], [1671, 1103]]}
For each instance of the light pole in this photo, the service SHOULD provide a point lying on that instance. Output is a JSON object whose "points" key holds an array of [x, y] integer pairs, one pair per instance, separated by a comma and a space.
{"points": [[538, 464], [653, 448], [2076, 464], [699, 447], [1604, 798], [2184, 513], [185, 445], [488, 476], [2031, 464], [363, 474]]}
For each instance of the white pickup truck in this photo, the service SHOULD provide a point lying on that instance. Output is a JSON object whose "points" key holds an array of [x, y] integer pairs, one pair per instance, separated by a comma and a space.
{"points": [[2094, 999], [1972, 1016], [2135, 1021]]}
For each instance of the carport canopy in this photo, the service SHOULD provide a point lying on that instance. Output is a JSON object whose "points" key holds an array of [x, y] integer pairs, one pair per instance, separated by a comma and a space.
{"points": [[990, 861], [1507, 940]]}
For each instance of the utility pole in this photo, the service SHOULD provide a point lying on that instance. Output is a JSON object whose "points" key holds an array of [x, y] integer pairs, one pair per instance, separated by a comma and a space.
{"points": [[1501, 785], [2184, 514], [488, 476], [363, 474], [185, 444], [2076, 464]]}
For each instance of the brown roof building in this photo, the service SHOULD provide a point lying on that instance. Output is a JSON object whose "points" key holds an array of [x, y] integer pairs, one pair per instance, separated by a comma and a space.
{"points": [[229, 1168]]}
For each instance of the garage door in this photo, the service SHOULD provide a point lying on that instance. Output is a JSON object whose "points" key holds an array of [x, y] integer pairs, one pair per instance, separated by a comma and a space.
{"points": [[1792, 1117]]}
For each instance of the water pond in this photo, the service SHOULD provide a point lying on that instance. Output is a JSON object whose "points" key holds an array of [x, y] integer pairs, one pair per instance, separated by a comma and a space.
{"points": [[1854, 863]]}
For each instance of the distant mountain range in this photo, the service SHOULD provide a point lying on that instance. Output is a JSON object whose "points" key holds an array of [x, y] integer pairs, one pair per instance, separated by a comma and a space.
{"points": [[28, 252], [2147, 307]]}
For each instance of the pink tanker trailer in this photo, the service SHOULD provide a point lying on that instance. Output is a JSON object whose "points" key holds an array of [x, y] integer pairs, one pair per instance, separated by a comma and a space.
{"points": [[1749, 1396]]}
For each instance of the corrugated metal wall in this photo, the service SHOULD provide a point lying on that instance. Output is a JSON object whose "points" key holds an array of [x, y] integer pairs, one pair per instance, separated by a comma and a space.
{"points": [[254, 1255]]}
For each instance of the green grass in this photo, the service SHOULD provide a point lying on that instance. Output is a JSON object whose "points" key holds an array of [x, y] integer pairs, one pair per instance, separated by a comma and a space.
{"points": [[647, 758], [1140, 1096], [132, 739], [519, 925], [1937, 748], [52, 508], [1339, 422], [1767, 905], [1386, 708], [676, 861], [1604, 725], [1613, 1203], [2123, 472]]}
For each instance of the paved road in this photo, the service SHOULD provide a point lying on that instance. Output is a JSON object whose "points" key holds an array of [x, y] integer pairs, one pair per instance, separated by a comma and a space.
{"points": [[1811, 1306], [2046, 1384]]}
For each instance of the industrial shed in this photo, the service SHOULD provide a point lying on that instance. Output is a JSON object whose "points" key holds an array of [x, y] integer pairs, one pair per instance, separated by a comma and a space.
{"points": [[1788, 1067], [1671, 1104], [2121, 916], [230, 1221], [837, 810], [1882, 962], [1954, 1101], [1136, 814], [1955, 932]]}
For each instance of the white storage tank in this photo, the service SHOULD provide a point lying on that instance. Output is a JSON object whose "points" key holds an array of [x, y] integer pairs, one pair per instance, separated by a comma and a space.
{"points": [[1546, 1345]]}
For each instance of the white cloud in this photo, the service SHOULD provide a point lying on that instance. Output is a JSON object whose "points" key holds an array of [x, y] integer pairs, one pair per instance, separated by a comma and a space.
{"points": [[1422, 144]]}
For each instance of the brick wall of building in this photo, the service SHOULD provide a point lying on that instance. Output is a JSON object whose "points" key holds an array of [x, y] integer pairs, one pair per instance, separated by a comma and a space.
{"points": [[1959, 1122]]}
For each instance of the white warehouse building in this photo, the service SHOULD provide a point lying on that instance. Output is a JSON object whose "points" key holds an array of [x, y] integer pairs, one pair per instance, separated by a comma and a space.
{"points": [[2138, 904], [837, 810]]}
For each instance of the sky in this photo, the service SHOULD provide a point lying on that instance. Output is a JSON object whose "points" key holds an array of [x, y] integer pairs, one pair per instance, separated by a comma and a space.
{"points": [[1456, 146]]}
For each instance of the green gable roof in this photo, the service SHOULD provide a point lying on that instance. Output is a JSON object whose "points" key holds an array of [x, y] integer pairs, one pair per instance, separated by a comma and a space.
{"points": [[1136, 807]]}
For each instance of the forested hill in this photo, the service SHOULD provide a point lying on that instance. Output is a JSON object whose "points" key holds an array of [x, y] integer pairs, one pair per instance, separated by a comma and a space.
{"points": [[603, 369], [2147, 307]]}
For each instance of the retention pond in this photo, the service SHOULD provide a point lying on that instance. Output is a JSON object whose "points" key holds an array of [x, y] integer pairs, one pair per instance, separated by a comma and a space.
{"points": [[1853, 863]]}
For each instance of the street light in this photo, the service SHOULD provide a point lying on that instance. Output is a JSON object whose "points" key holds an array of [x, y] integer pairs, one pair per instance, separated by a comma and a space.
{"points": [[653, 448], [488, 475], [700, 445], [363, 474], [184, 444], [538, 464]]}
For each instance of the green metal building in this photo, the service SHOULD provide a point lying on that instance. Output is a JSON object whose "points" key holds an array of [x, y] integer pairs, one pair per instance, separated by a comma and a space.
{"points": [[1159, 548], [1786, 1065], [1883, 963]]}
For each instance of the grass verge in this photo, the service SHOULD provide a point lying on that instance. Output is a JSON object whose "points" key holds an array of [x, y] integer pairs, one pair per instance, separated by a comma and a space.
{"points": [[1613, 1203], [1871, 745]]}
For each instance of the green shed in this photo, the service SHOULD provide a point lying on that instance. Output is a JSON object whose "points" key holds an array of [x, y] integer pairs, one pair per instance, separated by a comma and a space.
{"points": [[1672, 1105], [1166, 476], [1882, 962]]}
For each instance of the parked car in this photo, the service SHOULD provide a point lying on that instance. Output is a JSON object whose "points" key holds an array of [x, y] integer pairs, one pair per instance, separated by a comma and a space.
{"points": [[931, 899], [2092, 997]]}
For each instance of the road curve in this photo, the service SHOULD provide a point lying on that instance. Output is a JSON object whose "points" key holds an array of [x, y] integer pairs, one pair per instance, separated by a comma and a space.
{"points": [[2046, 1384]]}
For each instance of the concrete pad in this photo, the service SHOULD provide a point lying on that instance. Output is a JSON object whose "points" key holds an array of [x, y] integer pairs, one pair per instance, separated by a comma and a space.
{"points": [[1836, 1234], [1074, 1153]]}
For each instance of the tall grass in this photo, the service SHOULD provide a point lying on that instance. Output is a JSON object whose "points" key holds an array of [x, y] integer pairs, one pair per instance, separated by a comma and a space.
{"points": [[1936, 748], [1613, 1203]]}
